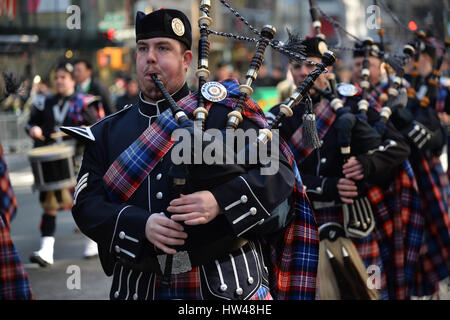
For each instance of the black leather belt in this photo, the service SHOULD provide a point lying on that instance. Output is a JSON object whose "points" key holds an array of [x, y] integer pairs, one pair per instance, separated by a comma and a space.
{"points": [[184, 261]]}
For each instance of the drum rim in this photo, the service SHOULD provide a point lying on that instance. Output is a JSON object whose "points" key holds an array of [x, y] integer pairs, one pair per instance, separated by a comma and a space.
{"points": [[65, 153]]}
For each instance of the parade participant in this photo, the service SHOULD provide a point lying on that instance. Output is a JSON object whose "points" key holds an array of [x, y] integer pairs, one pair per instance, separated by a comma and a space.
{"points": [[423, 104], [66, 107], [377, 77], [211, 236], [14, 283], [330, 183], [86, 84]]}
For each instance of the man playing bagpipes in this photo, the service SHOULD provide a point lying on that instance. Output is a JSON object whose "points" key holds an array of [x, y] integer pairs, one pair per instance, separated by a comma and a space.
{"points": [[397, 237], [332, 184], [205, 239], [426, 98], [66, 107]]}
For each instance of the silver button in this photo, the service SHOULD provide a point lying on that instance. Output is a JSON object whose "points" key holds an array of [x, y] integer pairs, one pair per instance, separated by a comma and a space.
{"points": [[223, 287], [117, 248], [250, 280], [159, 195], [116, 294], [261, 222], [158, 176], [319, 189], [323, 160], [239, 291], [122, 235], [253, 211], [135, 296], [244, 199]]}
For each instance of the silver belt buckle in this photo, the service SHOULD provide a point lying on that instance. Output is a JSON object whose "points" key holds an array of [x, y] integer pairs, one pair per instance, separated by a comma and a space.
{"points": [[180, 263]]}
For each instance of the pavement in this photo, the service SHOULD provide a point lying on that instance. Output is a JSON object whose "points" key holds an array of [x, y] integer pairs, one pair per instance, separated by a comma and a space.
{"points": [[71, 277]]}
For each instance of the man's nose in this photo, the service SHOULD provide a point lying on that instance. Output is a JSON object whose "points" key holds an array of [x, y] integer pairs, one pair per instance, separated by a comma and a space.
{"points": [[151, 56]]}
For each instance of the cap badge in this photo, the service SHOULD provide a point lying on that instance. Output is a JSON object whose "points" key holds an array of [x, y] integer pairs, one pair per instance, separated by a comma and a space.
{"points": [[178, 27]]}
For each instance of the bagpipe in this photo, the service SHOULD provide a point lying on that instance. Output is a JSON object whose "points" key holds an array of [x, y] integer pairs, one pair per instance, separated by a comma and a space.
{"points": [[355, 136], [418, 120], [205, 176]]}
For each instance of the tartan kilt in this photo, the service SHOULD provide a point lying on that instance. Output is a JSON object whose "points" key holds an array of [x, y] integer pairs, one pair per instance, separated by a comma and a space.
{"points": [[367, 247], [399, 230], [13, 277], [434, 257]]}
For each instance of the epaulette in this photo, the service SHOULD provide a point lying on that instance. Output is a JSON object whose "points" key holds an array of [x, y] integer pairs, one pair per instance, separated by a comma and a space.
{"points": [[84, 134]]}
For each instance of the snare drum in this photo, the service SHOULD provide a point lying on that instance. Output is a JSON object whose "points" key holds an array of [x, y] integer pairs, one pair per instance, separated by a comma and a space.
{"points": [[53, 167]]}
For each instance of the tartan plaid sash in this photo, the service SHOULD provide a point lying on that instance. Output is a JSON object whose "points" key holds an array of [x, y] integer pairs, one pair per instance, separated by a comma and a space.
{"points": [[325, 117], [128, 171]]}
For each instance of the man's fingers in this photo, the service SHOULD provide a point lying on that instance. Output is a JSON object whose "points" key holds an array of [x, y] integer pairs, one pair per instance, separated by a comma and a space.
{"points": [[182, 208], [347, 200], [169, 223], [348, 194], [166, 232], [168, 240], [184, 200], [195, 222], [164, 248]]}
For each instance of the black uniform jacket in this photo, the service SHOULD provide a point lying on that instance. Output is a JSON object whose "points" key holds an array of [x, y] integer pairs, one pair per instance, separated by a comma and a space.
{"points": [[322, 169], [246, 201]]}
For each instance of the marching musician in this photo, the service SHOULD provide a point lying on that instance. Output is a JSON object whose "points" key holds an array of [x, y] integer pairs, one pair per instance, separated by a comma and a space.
{"points": [[377, 78], [66, 107], [427, 100], [139, 232], [330, 183]]}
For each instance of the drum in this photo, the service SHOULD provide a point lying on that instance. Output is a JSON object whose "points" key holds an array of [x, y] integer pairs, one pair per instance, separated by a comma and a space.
{"points": [[53, 167]]}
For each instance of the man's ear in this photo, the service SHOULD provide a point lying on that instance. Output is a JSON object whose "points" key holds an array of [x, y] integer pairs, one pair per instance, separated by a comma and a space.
{"points": [[187, 58]]}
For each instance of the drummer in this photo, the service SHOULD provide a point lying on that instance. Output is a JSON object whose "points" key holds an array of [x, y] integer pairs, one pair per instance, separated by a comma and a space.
{"points": [[68, 108]]}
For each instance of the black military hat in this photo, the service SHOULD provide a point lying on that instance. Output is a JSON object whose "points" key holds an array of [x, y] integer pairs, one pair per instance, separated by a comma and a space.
{"points": [[376, 50], [314, 47], [66, 66], [166, 23]]}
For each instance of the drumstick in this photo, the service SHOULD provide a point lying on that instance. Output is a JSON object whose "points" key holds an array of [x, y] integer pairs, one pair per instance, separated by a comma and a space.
{"points": [[57, 135]]}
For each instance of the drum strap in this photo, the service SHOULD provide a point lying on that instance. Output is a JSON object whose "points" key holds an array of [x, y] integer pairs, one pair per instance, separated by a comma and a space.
{"points": [[60, 110]]}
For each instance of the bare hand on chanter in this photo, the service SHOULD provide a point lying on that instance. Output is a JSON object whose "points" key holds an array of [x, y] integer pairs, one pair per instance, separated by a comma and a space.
{"points": [[347, 190], [194, 209], [164, 232], [353, 169]]}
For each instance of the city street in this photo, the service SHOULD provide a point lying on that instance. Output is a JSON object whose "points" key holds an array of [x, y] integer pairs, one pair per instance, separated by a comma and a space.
{"points": [[56, 282]]}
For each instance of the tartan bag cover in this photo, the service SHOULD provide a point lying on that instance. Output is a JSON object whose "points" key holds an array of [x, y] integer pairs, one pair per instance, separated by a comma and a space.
{"points": [[295, 263], [13, 277]]}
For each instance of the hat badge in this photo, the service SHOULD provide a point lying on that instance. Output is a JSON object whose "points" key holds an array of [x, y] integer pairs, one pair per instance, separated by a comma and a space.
{"points": [[178, 27]]}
